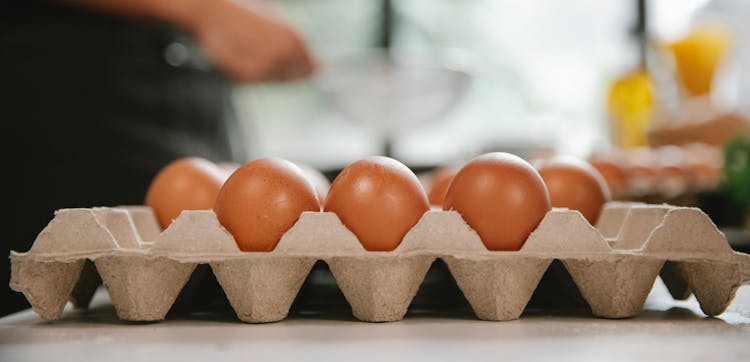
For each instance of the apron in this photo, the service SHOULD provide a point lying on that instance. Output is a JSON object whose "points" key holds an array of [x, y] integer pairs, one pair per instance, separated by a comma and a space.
{"points": [[92, 106]]}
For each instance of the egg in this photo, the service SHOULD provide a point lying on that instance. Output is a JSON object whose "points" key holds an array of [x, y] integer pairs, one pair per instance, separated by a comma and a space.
{"points": [[574, 184], [438, 184], [379, 199], [640, 171], [262, 200], [501, 197], [672, 175], [613, 166], [705, 163], [185, 184], [613, 174]]}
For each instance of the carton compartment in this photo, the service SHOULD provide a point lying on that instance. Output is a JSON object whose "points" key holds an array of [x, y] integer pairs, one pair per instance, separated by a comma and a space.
{"points": [[713, 284], [498, 288], [379, 288], [144, 270], [45, 284], [142, 288], [262, 289], [615, 286]]}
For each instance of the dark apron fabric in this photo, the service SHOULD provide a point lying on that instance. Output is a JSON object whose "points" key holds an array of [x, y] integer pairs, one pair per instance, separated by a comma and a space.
{"points": [[90, 111]]}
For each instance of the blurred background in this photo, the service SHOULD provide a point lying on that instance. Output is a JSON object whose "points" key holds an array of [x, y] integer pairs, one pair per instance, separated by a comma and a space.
{"points": [[540, 74]]}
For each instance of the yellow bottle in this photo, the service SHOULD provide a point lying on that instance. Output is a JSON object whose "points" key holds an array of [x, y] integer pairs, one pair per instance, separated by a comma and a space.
{"points": [[698, 55], [630, 108]]}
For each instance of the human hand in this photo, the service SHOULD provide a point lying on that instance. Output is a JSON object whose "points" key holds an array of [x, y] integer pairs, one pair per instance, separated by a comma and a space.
{"points": [[250, 46]]}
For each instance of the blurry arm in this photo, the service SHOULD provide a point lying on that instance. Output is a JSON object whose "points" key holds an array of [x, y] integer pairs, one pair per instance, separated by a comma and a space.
{"points": [[247, 45]]}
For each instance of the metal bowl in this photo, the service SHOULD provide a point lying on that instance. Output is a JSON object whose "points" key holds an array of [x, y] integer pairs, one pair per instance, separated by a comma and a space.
{"points": [[393, 91]]}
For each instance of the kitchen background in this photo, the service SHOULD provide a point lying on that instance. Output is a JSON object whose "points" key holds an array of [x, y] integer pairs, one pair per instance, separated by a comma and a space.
{"points": [[539, 74]]}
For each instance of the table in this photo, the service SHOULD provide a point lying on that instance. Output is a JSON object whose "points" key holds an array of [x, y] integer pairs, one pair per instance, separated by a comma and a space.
{"points": [[665, 330]]}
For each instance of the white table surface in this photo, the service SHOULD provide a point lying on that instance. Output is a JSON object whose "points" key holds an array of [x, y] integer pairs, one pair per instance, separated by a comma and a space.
{"points": [[665, 330]]}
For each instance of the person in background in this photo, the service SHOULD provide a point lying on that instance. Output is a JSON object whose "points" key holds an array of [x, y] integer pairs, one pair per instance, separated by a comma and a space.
{"points": [[96, 96]]}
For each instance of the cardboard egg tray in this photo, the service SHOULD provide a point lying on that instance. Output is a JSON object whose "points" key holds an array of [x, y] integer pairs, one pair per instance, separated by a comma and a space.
{"points": [[613, 265]]}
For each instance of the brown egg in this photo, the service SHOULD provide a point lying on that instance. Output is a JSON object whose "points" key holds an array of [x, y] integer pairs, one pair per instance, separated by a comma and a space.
{"points": [[184, 184], [673, 177], [640, 170], [704, 163], [262, 200], [613, 174], [501, 197], [439, 183], [379, 200], [573, 183], [641, 179]]}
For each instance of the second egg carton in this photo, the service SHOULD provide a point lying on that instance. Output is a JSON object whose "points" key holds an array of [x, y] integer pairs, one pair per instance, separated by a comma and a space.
{"points": [[614, 265]]}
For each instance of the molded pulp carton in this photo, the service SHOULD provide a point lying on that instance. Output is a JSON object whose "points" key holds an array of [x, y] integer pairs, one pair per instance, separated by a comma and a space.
{"points": [[613, 265]]}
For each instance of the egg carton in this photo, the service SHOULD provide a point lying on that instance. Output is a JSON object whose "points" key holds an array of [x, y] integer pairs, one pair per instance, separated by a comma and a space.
{"points": [[613, 265]]}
